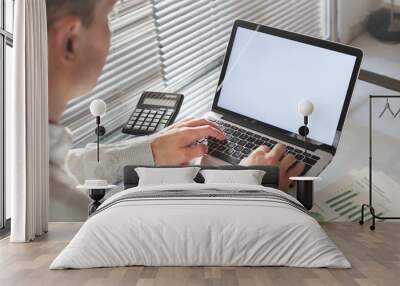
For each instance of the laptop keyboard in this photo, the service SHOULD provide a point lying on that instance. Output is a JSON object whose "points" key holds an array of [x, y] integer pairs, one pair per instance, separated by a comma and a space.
{"points": [[240, 143]]}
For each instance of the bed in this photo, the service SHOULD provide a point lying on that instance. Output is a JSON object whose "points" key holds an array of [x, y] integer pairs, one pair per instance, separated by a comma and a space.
{"points": [[201, 224]]}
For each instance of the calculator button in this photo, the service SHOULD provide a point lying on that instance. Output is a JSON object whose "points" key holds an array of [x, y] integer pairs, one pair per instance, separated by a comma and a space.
{"points": [[143, 128], [164, 121], [136, 127], [160, 126], [169, 112], [138, 110], [153, 112], [151, 129], [147, 119]]}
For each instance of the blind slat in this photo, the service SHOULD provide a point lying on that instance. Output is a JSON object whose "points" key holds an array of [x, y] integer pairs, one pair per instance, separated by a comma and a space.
{"points": [[176, 46], [133, 65], [189, 42]]}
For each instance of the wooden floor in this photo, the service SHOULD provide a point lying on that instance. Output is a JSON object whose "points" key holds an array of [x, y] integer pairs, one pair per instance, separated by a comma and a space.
{"points": [[375, 257]]}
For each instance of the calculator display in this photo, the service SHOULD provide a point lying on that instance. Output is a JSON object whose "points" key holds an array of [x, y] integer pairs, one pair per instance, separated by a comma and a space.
{"points": [[166, 101]]}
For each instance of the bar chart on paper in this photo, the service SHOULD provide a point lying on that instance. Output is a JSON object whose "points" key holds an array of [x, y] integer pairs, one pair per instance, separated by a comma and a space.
{"points": [[341, 201]]}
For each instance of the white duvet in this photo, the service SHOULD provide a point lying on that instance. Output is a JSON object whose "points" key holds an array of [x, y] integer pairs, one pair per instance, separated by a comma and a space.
{"points": [[202, 231]]}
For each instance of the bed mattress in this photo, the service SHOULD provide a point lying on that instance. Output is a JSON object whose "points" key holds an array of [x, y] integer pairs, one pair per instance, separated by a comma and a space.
{"points": [[201, 225]]}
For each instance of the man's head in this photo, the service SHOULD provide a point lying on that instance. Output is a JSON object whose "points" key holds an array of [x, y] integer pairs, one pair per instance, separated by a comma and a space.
{"points": [[78, 43], [83, 9]]}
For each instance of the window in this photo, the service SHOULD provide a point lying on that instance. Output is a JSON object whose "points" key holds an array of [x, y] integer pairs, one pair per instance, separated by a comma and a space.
{"points": [[6, 43], [178, 46]]}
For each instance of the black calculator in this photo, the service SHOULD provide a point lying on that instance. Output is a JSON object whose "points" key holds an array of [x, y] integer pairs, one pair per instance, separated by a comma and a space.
{"points": [[155, 111]]}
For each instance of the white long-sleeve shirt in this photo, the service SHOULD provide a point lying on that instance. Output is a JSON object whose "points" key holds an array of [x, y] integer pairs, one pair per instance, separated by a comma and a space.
{"points": [[70, 167]]}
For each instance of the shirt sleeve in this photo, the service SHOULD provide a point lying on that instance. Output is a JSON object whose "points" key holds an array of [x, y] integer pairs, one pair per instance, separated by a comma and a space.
{"points": [[82, 163]]}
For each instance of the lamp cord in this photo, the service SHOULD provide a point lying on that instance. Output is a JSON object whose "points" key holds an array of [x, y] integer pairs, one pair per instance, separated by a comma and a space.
{"points": [[98, 145], [98, 138], [305, 134]]}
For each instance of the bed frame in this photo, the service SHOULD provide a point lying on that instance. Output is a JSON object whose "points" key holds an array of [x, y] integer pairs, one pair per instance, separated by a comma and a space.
{"points": [[270, 179]]}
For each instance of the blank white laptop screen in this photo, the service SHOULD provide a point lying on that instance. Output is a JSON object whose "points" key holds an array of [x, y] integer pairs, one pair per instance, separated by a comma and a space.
{"points": [[267, 76]]}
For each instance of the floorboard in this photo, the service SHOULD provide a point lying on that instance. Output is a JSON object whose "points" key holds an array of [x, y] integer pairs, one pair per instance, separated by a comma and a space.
{"points": [[375, 257]]}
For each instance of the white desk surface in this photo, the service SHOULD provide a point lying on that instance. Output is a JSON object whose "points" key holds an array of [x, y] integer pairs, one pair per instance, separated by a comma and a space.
{"points": [[379, 57], [353, 149]]}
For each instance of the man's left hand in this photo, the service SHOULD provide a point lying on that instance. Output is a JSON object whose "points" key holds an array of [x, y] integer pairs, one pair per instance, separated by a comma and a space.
{"points": [[177, 144]]}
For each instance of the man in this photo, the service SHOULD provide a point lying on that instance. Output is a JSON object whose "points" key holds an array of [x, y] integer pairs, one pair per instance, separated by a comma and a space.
{"points": [[78, 43]]}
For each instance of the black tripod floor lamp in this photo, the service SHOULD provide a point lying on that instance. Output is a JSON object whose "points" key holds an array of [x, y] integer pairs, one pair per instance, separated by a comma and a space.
{"points": [[370, 203]]}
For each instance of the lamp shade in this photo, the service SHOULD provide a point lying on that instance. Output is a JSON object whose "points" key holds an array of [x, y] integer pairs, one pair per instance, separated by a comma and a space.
{"points": [[305, 107], [98, 107]]}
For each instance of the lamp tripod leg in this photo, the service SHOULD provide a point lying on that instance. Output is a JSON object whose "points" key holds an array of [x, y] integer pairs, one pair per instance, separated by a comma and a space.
{"points": [[372, 210], [361, 221]]}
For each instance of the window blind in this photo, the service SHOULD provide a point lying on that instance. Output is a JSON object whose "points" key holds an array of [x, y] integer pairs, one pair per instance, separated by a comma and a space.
{"points": [[193, 36], [177, 46], [133, 65]]}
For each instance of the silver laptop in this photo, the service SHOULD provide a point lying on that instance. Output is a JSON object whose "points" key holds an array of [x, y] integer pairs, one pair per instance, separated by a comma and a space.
{"points": [[266, 73]]}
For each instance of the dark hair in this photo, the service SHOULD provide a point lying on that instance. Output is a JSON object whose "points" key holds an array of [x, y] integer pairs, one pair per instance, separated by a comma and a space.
{"points": [[84, 9]]}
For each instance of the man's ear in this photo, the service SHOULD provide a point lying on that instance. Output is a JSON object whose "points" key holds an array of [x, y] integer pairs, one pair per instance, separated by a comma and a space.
{"points": [[66, 33]]}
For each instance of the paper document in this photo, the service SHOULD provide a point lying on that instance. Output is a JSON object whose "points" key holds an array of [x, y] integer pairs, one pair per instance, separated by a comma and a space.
{"points": [[342, 200]]}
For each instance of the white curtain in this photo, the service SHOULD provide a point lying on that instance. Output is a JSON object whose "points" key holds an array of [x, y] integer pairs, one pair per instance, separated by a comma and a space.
{"points": [[27, 156]]}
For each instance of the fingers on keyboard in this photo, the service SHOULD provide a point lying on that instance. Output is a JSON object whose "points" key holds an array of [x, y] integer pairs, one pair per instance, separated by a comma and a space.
{"points": [[239, 143]]}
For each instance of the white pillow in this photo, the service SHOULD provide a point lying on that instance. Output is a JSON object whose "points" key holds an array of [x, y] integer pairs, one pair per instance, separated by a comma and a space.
{"points": [[248, 177], [166, 176]]}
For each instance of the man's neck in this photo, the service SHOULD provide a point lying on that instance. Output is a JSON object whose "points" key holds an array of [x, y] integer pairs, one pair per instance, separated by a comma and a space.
{"points": [[57, 102], [55, 112]]}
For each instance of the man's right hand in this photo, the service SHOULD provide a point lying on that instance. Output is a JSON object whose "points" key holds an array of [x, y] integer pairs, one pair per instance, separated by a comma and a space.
{"points": [[178, 145], [287, 163]]}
